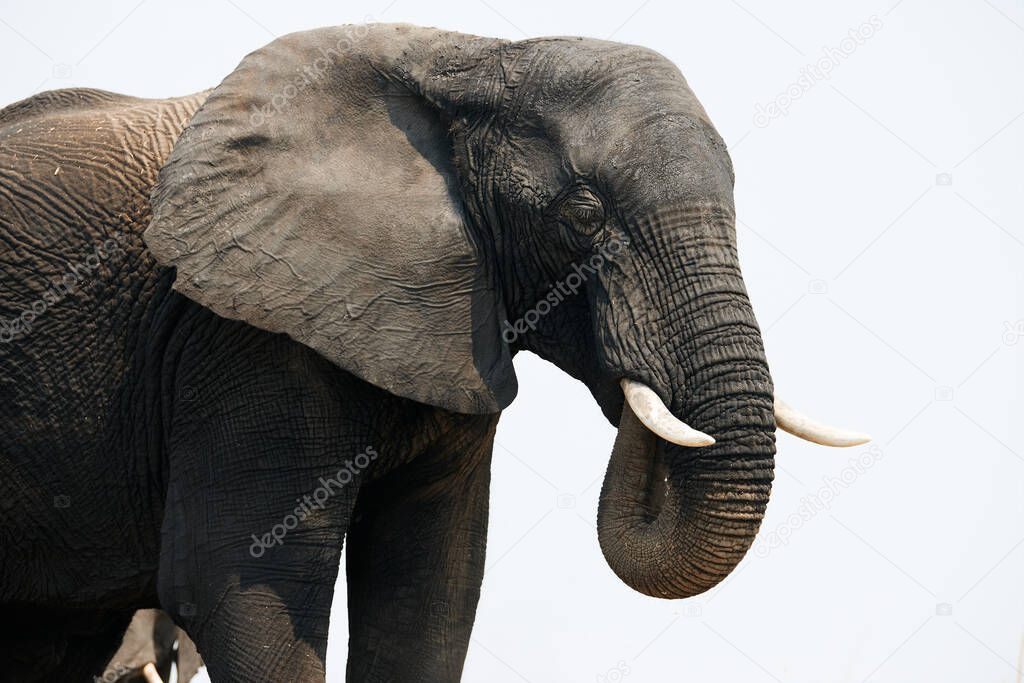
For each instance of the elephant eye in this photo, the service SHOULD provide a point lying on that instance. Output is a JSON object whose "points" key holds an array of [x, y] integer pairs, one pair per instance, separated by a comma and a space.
{"points": [[583, 210]]}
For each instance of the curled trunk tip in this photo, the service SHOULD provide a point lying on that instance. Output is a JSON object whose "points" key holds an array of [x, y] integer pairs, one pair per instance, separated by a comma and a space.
{"points": [[675, 529]]}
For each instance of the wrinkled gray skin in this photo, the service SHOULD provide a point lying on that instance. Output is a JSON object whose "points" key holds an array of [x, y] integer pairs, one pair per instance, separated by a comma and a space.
{"points": [[151, 639], [324, 264]]}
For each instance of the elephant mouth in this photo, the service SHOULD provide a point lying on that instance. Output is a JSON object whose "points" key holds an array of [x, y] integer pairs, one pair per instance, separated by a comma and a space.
{"points": [[655, 415]]}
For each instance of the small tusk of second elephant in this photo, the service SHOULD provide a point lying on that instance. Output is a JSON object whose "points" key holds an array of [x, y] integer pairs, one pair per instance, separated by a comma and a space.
{"points": [[653, 414], [150, 673]]}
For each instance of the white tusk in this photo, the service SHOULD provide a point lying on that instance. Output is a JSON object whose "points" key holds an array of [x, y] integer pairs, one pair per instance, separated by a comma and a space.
{"points": [[653, 414], [149, 671], [799, 425]]}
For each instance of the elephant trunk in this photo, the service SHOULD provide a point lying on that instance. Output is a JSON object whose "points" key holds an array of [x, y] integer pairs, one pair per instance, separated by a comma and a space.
{"points": [[673, 521]]}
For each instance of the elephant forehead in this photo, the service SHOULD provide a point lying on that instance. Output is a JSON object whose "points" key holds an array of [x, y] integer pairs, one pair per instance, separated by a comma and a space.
{"points": [[561, 78]]}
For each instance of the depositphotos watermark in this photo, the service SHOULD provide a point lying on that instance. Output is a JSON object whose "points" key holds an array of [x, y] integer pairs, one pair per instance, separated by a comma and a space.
{"points": [[815, 72], [820, 501], [306, 75], [616, 673], [317, 500], [1013, 332], [58, 290], [558, 292], [112, 674]]}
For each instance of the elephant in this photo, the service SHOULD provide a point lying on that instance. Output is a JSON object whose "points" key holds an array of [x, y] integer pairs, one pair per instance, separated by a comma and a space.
{"points": [[244, 328], [150, 646]]}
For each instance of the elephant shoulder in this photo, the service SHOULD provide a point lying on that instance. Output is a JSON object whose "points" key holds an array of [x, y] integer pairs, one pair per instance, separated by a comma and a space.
{"points": [[51, 101], [91, 154]]}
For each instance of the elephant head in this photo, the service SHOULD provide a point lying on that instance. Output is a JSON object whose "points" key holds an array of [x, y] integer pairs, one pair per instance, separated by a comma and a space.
{"points": [[418, 205]]}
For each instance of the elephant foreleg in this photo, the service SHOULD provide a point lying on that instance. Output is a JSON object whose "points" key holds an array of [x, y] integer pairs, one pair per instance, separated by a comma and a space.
{"points": [[415, 562], [257, 611], [264, 471]]}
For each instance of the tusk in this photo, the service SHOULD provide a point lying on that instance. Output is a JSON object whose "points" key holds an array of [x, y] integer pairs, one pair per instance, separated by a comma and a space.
{"points": [[653, 414], [799, 425], [149, 671]]}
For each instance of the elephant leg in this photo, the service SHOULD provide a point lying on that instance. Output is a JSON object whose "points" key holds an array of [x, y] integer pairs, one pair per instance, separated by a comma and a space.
{"points": [[415, 562], [188, 659], [250, 580], [260, 489]]}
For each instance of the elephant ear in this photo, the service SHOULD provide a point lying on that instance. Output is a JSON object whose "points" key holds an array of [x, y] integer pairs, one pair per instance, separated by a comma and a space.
{"points": [[314, 194]]}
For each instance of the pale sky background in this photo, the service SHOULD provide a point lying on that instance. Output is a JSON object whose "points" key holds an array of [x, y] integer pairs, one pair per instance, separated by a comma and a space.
{"points": [[882, 236]]}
